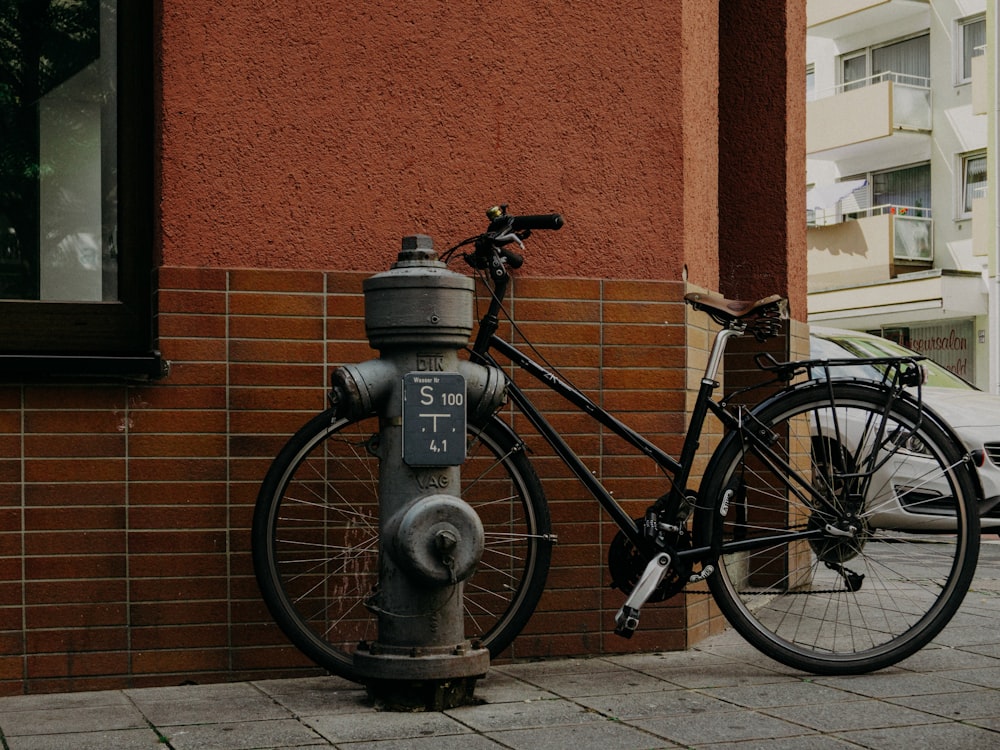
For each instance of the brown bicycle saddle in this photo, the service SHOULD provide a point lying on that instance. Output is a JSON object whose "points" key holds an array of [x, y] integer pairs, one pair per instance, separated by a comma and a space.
{"points": [[731, 308]]}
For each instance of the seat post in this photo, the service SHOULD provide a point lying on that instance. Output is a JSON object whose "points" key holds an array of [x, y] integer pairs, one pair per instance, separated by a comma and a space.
{"points": [[718, 349]]}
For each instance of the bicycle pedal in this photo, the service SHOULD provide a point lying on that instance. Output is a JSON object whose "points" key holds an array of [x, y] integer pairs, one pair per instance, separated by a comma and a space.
{"points": [[626, 621]]}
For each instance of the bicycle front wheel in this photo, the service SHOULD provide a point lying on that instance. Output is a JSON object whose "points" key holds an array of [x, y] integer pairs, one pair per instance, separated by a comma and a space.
{"points": [[848, 542], [316, 538]]}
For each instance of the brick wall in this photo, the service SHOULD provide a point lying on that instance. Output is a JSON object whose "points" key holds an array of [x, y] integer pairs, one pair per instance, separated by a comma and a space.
{"points": [[127, 507]]}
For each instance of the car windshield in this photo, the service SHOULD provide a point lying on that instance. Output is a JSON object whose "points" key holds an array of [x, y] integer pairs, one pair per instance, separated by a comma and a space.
{"points": [[845, 346]]}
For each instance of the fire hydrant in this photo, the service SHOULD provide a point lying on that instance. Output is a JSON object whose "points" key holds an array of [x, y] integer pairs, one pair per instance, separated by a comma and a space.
{"points": [[418, 315]]}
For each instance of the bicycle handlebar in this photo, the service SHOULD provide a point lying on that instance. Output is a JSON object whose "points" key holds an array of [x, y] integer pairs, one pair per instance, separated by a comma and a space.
{"points": [[504, 229], [502, 222], [536, 221]]}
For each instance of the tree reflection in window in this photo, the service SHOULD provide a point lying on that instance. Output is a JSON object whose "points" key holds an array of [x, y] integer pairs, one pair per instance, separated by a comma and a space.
{"points": [[57, 150]]}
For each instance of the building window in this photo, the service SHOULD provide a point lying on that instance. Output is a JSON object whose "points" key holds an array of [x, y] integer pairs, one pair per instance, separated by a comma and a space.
{"points": [[855, 71], [973, 180], [905, 191], [971, 39], [75, 182], [907, 61]]}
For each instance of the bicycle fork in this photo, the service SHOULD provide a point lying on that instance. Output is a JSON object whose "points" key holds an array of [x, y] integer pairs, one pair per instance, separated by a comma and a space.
{"points": [[658, 568]]}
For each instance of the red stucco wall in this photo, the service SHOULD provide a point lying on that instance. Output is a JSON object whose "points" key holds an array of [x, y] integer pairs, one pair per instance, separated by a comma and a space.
{"points": [[316, 138]]}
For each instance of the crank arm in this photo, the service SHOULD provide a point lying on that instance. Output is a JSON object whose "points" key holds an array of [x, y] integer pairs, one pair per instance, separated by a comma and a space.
{"points": [[627, 618]]}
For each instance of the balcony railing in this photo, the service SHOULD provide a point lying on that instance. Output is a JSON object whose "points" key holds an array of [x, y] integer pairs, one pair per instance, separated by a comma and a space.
{"points": [[877, 245], [822, 218], [903, 79]]}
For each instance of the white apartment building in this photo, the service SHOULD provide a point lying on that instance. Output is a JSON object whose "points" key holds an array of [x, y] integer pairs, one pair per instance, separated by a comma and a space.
{"points": [[901, 136]]}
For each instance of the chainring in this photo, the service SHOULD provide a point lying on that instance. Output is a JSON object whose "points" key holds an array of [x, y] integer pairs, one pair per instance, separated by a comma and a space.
{"points": [[627, 563]]}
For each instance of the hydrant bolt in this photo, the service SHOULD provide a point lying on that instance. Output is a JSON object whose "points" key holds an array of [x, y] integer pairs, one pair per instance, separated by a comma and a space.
{"points": [[446, 542]]}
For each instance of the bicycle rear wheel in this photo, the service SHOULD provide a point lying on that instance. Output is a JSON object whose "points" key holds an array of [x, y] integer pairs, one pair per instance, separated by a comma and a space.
{"points": [[870, 542], [316, 545]]}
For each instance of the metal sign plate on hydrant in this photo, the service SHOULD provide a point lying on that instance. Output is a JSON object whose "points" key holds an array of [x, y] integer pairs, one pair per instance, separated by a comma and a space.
{"points": [[433, 419]]}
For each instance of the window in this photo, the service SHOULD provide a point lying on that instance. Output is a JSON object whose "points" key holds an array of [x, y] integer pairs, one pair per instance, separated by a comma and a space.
{"points": [[973, 180], [971, 39], [904, 190], [75, 186], [810, 82], [907, 188], [855, 71], [907, 62]]}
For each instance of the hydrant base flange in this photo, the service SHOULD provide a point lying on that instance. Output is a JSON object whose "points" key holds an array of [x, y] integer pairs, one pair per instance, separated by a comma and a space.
{"points": [[378, 662], [410, 680]]}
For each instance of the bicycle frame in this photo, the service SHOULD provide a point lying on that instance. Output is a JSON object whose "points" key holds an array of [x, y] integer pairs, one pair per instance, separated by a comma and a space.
{"points": [[678, 468]]}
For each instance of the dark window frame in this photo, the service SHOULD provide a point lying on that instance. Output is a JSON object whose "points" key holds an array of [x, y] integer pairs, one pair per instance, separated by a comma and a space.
{"points": [[113, 338]]}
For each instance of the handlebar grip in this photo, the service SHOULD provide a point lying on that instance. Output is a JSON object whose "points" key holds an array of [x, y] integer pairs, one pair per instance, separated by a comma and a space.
{"points": [[514, 260], [537, 221]]}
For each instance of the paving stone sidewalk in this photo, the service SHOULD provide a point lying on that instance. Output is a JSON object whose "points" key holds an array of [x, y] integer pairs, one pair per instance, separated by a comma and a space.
{"points": [[722, 694]]}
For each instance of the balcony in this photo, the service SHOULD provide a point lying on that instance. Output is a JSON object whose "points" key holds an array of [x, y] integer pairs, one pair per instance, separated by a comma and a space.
{"points": [[929, 295], [883, 115], [885, 242], [845, 17]]}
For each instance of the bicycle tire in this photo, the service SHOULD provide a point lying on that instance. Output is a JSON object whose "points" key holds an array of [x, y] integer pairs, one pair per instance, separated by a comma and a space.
{"points": [[802, 602], [315, 538]]}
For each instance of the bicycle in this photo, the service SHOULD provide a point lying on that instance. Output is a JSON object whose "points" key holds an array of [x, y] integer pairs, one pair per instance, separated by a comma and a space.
{"points": [[793, 528]]}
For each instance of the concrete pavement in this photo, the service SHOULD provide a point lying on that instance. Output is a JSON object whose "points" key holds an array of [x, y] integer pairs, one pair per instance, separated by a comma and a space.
{"points": [[721, 694]]}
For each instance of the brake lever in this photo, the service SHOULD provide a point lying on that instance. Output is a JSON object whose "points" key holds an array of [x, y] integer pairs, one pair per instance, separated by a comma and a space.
{"points": [[495, 241], [506, 237]]}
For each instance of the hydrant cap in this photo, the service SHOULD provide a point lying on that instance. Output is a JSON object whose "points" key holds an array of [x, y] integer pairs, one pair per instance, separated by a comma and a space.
{"points": [[437, 540]]}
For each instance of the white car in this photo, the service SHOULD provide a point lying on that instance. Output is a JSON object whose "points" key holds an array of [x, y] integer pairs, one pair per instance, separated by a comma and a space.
{"points": [[972, 414]]}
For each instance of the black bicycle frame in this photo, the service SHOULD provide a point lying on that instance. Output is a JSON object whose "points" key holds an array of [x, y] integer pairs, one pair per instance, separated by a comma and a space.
{"points": [[678, 469]]}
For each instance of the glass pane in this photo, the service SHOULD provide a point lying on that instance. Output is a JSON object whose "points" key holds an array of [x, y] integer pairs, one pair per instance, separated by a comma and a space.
{"points": [[908, 61], [911, 106], [973, 36], [975, 179], [908, 188], [855, 72], [58, 115], [912, 238]]}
